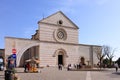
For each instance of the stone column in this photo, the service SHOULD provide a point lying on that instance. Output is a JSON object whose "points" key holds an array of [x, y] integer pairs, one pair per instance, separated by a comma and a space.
{"points": [[91, 55]]}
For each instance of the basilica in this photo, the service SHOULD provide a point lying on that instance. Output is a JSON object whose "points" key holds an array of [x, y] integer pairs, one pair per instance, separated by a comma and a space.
{"points": [[54, 42]]}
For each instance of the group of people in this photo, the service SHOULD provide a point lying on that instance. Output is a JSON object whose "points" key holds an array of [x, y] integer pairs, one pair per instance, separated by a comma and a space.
{"points": [[70, 67], [75, 66]]}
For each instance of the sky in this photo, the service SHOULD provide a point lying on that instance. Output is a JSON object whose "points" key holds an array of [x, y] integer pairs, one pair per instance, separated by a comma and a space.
{"points": [[98, 20]]}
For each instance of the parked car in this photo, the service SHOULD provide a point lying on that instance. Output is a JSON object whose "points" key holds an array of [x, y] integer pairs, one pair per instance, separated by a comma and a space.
{"points": [[1, 65], [1, 68]]}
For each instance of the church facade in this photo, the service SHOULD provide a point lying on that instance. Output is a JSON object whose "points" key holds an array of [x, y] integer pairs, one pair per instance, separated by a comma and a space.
{"points": [[55, 42]]}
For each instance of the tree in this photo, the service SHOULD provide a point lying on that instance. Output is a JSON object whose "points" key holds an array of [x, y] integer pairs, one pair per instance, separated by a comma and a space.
{"points": [[118, 61], [110, 54], [100, 52], [105, 62]]}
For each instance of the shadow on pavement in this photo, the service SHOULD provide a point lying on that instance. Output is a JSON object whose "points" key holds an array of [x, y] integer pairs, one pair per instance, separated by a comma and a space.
{"points": [[118, 73], [19, 72]]}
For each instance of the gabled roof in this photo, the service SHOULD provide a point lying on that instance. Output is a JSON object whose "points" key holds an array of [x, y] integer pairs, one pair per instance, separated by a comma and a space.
{"points": [[61, 13]]}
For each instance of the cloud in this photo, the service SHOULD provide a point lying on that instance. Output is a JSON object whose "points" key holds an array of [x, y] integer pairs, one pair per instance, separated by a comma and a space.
{"points": [[85, 2], [101, 2], [73, 3], [73, 6], [69, 6]]}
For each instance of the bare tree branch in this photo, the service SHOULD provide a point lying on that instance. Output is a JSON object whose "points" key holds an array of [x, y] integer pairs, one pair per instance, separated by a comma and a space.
{"points": [[101, 53], [110, 53]]}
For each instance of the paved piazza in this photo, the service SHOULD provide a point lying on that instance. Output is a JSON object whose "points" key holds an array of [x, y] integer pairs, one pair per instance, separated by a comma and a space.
{"points": [[55, 74]]}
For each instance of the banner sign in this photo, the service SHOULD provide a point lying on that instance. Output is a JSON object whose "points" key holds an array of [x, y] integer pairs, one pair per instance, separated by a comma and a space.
{"points": [[14, 56], [14, 51]]}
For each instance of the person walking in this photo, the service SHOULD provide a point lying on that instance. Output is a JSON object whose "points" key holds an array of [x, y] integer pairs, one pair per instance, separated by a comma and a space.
{"points": [[60, 66], [25, 67], [28, 66], [116, 66]]}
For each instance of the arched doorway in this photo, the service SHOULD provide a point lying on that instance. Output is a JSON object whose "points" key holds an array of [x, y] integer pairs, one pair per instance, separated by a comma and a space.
{"points": [[22, 51], [60, 59], [61, 56], [82, 60]]}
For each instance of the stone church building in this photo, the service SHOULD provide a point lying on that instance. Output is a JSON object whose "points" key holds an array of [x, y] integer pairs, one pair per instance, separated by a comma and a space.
{"points": [[55, 42]]}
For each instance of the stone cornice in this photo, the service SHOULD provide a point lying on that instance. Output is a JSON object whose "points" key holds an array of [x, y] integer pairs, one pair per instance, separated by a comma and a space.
{"points": [[54, 25], [54, 42], [70, 43], [21, 39], [63, 15]]}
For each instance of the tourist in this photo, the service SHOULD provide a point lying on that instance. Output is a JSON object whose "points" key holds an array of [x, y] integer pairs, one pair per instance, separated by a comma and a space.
{"points": [[69, 67], [60, 66], [74, 66], [116, 66], [28, 66], [25, 67]]}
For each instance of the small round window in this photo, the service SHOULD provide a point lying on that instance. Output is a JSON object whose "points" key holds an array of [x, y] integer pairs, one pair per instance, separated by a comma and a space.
{"points": [[60, 34], [60, 22]]}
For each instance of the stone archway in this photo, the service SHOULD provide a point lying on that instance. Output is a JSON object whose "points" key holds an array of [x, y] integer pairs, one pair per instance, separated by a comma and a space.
{"points": [[29, 54], [61, 56], [82, 59], [21, 51], [58, 50]]}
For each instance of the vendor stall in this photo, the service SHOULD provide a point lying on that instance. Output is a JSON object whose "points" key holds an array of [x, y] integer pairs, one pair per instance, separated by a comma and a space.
{"points": [[32, 65]]}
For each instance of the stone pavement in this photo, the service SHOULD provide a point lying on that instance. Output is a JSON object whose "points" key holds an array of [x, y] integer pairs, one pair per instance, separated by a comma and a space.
{"points": [[51, 73], [1, 75]]}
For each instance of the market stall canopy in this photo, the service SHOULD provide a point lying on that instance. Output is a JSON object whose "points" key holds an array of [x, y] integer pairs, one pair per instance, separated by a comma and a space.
{"points": [[33, 60]]}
